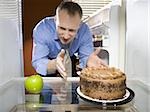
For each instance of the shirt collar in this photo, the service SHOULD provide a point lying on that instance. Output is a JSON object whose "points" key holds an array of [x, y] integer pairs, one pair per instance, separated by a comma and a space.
{"points": [[56, 36]]}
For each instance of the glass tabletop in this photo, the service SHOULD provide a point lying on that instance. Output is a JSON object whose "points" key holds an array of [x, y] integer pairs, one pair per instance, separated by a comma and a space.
{"points": [[60, 96]]}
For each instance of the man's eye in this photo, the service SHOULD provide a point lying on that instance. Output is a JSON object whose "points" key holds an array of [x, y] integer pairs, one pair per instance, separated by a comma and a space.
{"points": [[62, 28], [72, 30]]}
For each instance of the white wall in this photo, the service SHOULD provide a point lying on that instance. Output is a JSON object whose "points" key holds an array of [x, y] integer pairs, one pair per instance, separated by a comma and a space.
{"points": [[138, 40]]}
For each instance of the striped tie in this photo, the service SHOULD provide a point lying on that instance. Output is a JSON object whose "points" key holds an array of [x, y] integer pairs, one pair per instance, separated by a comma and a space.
{"points": [[68, 63]]}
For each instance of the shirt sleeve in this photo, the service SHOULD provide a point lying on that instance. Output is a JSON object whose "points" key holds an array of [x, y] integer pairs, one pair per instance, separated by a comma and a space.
{"points": [[86, 47], [40, 50]]}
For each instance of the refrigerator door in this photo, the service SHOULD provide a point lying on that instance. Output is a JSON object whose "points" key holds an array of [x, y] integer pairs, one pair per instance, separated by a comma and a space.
{"points": [[138, 40]]}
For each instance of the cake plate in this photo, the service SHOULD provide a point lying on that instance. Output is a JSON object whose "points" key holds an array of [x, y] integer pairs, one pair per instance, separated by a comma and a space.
{"points": [[126, 98]]}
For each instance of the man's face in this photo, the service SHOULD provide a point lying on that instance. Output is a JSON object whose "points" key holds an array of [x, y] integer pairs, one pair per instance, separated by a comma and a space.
{"points": [[67, 26]]}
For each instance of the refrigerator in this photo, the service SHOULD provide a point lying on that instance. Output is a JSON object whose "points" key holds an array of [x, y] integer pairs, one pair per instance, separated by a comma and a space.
{"points": [[129, 50]]}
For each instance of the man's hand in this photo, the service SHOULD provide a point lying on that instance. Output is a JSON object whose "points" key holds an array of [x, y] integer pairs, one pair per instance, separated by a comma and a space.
{"points": [[59, 64], [95, 61]]}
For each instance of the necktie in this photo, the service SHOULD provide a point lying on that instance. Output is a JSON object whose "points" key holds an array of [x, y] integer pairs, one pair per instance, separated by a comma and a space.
{"points": [[68, 63], [67, 86]]}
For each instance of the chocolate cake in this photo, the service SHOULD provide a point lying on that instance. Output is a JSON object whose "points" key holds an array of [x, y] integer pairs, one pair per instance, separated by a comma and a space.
{"points": [[103, 83]]}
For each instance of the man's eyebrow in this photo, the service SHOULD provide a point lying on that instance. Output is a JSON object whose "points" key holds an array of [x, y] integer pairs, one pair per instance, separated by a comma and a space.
{"points": [[72, 29], [62, 27], [66, 28]]}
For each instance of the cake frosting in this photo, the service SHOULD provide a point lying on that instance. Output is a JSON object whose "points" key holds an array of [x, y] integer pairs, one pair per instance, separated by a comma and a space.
{"points": [[103, 83]]}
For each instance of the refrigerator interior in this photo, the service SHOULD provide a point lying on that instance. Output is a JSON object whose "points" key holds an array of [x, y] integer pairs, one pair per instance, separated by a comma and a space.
{"points": [[11, 60], [136, 58]]}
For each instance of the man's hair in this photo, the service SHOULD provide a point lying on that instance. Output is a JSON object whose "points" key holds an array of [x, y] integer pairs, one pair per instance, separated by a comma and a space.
{"points": [[71, 7]]}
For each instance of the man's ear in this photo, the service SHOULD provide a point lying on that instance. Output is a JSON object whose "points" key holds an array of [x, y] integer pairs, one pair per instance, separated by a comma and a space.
{"points": [[56, 22], [55, 18]]}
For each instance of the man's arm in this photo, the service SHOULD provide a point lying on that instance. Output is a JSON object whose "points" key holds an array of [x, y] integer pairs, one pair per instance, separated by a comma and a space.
{"points": [[86, 45], [44, 52], [51, 67], [40, 50], [95, 61]]}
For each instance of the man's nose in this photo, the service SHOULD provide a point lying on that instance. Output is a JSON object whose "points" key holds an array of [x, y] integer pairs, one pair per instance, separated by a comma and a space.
{"points": [[66, 34]]}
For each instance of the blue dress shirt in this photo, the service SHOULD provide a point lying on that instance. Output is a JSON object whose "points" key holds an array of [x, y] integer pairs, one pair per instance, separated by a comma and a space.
{"points": [[46, 44]]}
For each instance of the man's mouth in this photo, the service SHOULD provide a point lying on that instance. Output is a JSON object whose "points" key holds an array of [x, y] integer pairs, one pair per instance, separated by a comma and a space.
{"points": [[65, 41]]}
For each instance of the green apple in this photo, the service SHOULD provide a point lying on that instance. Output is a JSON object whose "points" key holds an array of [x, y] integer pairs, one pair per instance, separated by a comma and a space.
{"points": [[34, 84]]}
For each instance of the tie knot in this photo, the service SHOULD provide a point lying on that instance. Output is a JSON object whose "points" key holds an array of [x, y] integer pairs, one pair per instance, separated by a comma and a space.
{"points": [[66, 51]]}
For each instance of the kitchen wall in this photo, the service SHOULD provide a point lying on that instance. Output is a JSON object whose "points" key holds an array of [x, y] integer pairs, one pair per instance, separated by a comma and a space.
{"points": [[138, 40]]}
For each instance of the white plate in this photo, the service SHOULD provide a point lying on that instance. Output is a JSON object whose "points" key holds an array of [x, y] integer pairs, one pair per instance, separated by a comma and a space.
{"points": [[126, 98]]}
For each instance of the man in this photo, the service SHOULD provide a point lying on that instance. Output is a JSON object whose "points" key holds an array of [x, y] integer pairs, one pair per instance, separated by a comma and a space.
{"points": [[64, 31]]}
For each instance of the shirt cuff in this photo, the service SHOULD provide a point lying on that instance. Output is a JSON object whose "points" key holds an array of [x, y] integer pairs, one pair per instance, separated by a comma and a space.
{"points": [[83, 62], [42, 67]]}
